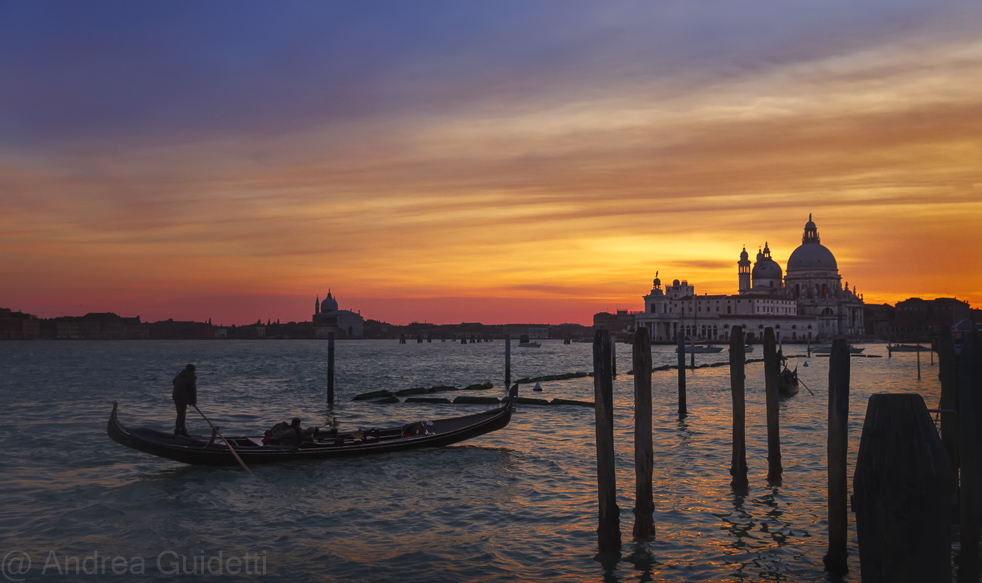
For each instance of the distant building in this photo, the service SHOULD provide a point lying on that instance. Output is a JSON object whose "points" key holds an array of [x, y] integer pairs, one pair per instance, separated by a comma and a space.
{"points": [[916, 318], [809, 303], [878, 320], [620, 325], [344, 323], [17, 325]]}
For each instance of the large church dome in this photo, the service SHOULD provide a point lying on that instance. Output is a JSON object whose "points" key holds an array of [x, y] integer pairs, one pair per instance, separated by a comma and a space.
{"points": [[329, 304], [811, 254]]}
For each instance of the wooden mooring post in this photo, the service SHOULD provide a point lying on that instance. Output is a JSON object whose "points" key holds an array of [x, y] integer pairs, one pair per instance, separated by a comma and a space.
{"points": [[772, 371], [969, 436], [948, 374], [330, 369], [644, 505], [609, 530], [738, 465], [838, 442], [683, 411], [902, 485], [918, 361], [507, 360], [613, 357]]}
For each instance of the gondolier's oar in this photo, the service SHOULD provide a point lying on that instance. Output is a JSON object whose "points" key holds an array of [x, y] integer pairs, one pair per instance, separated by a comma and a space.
{"points": [[806, 386], [230, 448]]}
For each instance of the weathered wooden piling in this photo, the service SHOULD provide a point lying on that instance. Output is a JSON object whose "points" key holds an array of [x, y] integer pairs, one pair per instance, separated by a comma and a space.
{"points": [[838, 442], [608, 532], [330, 369], [681, 361], [613, 357], [948, 375], [738, 465], [918, 361], [772, 371], [969, 436], [902, 487], [507, 360], [644, 506]]}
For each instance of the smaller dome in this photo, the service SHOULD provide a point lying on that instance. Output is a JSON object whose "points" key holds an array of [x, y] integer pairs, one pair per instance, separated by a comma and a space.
{"points": [[766, 269]]}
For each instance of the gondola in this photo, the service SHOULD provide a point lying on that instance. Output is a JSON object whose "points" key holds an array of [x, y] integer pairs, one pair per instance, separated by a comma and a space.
{"points": [[788, 383], [212, 451]]}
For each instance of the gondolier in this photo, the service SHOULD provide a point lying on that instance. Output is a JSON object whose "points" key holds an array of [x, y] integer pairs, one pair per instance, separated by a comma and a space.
{"points": [[185, 393]]}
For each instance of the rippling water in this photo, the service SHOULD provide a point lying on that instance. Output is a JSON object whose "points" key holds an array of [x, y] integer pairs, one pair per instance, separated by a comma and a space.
{"points": [[518, 504]]}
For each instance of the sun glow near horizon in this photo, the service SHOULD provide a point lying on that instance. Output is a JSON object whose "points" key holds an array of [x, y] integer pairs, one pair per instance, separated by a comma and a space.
{"points": [[542, 179]]}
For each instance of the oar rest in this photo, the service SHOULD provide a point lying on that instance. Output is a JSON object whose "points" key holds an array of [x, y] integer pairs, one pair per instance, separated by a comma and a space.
{"points": [[214, 434]]}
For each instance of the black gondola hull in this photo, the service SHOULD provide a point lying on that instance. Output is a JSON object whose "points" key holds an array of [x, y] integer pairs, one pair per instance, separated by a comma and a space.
{"points": [[205, 452]]}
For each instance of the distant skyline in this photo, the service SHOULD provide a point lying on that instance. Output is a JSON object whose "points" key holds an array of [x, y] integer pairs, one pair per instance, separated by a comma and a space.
{"points": [[506, 162]]}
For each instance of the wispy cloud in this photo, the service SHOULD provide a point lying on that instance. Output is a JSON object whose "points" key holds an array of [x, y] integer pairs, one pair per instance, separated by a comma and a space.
{"points": [[545, 150]]}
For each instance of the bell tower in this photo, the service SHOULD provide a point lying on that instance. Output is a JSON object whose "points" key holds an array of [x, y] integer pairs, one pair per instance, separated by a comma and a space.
{"points": [[744, 271]]}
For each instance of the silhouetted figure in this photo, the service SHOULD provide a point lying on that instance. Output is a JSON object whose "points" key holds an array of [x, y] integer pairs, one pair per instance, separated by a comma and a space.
{"points": [[185, 393]]}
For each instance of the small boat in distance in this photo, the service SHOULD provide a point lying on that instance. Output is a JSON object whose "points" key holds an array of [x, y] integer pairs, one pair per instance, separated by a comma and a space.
{"points": [[523, 342], [203, 450], [827, 349], [700, 349], [907, 348]]}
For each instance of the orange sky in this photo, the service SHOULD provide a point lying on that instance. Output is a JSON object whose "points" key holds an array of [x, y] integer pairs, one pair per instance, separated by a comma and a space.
{"points": [[544, 184]]}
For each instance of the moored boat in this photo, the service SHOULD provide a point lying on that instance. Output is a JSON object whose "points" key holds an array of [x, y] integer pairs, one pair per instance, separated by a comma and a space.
{"points": [[907, 348], [827, 349], [700, 349], [209, 451]]}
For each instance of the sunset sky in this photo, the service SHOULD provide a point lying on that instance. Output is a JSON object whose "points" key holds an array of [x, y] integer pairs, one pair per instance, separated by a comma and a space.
{"points": [[503, 162]]}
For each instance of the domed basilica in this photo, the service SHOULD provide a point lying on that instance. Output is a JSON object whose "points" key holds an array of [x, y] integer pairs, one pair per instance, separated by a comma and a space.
{"points": [[808, 303], [328, 318]]}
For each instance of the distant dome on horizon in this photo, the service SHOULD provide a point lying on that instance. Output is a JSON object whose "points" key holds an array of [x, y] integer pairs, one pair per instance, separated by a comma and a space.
{"points": [[329, 304]]}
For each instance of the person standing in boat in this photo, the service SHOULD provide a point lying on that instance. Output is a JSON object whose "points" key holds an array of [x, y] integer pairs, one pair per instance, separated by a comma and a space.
{"points": [[185, 393]]}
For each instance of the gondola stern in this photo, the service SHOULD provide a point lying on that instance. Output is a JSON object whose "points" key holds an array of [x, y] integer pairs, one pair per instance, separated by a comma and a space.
{"points": [[116, 430]]}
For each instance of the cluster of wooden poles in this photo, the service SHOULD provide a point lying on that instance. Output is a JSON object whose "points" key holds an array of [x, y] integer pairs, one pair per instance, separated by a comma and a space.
{"points": [[914, 547]]}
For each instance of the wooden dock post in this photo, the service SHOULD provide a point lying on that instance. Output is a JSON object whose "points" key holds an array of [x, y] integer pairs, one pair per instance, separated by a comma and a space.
{"points": [[772, 371], [969, 420], [507, 360], [644, 506], [902, 487], [918, 361], [613, 357], [948, 374], [683, 411], [330, 369], [609, 530], [838, 441], [738, 465]]}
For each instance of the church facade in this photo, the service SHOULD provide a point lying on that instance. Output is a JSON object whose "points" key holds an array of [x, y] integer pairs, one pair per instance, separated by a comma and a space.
{"points": [[328, 318], [809, 303]]}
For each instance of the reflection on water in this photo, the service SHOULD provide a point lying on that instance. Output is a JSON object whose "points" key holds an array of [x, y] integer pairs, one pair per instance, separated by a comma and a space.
{"points": [[518, 504]]}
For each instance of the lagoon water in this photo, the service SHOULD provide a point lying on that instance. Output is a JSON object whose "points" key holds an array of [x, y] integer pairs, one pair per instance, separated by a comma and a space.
{"points": [[519, 504]]}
